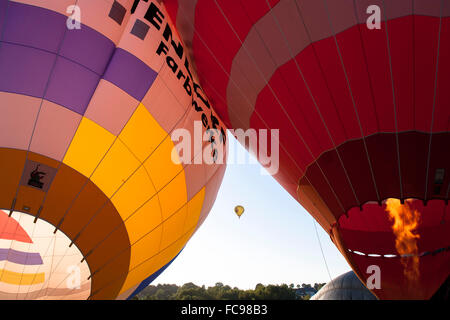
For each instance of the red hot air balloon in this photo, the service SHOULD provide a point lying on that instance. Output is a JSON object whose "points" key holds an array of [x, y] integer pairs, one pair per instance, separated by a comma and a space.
{"points": [[359, 91]]}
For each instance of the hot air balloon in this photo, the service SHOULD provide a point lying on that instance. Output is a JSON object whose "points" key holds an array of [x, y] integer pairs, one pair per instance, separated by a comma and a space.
{"points": [[95, 202], [359, 92], [239, 210], [347, 286]]}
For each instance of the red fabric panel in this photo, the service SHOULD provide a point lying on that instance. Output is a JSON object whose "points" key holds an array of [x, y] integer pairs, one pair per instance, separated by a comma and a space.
{"points": [[401, 44], [270, 111], [317, 179], [294, 108], [413, 148], [371, 219], [333, 72], [376, 51], [426, 49], [334, 171], [10, 229], [357, 165], [311, 70], [431, 239], [212, 70], [433, 272], [383, 149], [213, 30], [369, 242], [172, 9], [355, 62], [439, 159], [302, 108], [255, 9], [442, 109], [238, 17]]}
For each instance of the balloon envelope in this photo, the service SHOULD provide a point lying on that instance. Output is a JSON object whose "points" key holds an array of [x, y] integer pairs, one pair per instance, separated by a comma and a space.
{"points": [[239, 210], [358, 92], [96, 198]]}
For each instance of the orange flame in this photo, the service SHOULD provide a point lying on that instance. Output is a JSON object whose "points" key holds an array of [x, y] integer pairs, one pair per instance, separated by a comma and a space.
{"points": [[405, 221]]}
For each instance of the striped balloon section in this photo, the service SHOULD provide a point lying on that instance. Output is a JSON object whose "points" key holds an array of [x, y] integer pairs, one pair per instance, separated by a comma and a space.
{"points": [[11, 230]]}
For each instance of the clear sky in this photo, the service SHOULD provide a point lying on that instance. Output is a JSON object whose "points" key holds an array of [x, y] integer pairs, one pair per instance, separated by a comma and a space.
{"points": [[274, 242]]}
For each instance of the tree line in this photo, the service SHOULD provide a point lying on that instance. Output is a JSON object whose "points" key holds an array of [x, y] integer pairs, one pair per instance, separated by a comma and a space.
{"points": [[190, 291]]}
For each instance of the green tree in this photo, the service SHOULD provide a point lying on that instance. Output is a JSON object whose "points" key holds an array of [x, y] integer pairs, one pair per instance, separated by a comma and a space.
{"points": [[190, 291], [219, 291]]}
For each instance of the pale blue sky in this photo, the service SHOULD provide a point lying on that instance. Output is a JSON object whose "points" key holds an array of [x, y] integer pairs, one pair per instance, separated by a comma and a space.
{"points": [[274, 242]]}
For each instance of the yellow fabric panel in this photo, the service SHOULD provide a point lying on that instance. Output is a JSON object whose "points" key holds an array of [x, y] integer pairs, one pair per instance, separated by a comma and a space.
{"points": [[89, 145], [160, 165], [21, 278], [152, 265], [194, 209], [142, 134], [141, 273], [172, 250], [173, 196], [133, 194], [144, 220], [173, 227], [118, 164], [145, 248]]}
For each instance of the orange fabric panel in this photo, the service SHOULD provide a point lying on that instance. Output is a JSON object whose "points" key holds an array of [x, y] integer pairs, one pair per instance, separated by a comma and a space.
{"points": [[29, 200], [84, 206], [12, 163], [312, 202], [65, 186]]}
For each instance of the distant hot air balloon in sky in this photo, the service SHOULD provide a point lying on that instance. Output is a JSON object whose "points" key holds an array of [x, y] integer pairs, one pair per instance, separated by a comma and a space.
{"points": [[93, 203], [239, 210], [359, 91]]}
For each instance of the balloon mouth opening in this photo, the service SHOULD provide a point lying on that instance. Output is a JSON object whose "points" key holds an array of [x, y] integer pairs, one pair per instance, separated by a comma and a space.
{"points": [[39, 261], [396, 255], [409, 244], [382, 215], [408, 224]]}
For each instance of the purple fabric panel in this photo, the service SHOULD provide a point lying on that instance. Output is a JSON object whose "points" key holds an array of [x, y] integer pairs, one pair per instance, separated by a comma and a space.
{"points": [[130, 74], [45, 29], [89, 48], [71, 85], [30, 37], [24, 70], [33, 26], [3, 5], [19, 257]]}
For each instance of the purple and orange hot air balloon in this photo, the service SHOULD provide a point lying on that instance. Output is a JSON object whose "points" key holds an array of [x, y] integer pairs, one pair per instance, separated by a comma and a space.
{"points": [[88, 177], [363, 111]]}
